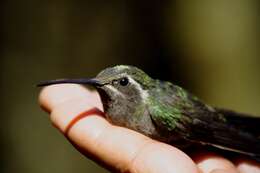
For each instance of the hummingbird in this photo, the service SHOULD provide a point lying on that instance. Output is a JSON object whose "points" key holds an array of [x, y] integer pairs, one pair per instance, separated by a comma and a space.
{"points": [[169, 113]]}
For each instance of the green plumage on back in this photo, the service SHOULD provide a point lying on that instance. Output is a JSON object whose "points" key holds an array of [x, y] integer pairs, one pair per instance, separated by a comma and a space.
{"points": [[163, 106]]}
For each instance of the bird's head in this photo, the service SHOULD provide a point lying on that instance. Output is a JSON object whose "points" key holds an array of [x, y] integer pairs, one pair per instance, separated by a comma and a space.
{"points": [[123, 90]]}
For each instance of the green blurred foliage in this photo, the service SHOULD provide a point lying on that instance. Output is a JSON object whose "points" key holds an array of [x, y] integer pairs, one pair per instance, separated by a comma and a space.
{"points": [[209, 47]]}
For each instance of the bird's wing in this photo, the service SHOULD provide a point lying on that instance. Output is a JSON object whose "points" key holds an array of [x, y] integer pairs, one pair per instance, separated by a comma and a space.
{"points": [[242, 120], [194, 121], [225, 135]]}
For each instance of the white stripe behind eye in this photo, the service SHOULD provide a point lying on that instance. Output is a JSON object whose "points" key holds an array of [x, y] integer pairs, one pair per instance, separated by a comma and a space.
{"points": [[143, 93], [115, 90]]}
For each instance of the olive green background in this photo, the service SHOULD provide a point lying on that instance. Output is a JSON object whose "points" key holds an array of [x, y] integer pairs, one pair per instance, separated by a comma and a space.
{"points": [[209, 47]]}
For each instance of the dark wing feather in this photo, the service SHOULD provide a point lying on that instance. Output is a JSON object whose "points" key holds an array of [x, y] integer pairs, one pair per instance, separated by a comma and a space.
{"points": [[242, 120], [232, 132]]}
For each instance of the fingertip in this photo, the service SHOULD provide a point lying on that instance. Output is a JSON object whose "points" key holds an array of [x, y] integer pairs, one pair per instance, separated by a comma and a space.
{"points": [[247, 166], [208, 162], [52, 96]]}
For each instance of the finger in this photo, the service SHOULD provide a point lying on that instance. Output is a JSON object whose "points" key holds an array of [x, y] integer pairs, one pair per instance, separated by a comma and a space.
{"points": [[118, 148], [210, 162], [247, 166], [50, 97]]}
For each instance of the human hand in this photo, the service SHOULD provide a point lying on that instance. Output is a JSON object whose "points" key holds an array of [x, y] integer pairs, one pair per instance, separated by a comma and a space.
{"points": [[120, 149]]}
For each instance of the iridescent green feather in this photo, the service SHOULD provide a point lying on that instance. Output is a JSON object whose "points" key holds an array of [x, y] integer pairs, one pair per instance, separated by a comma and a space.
{"points": [[167, 105]]}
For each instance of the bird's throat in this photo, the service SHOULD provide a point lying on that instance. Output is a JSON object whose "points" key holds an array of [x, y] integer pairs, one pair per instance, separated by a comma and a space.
{"points": [[104, 98]]}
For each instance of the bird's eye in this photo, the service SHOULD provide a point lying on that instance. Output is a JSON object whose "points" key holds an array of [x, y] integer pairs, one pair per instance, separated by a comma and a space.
{"points": [[124, 81]]}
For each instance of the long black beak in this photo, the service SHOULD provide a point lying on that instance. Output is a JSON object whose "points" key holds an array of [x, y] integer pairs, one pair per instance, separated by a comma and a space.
{"points": [[93, 82]]}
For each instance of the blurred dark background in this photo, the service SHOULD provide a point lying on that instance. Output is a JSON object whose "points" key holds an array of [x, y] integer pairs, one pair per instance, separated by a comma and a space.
{"points": [[209, 47]]}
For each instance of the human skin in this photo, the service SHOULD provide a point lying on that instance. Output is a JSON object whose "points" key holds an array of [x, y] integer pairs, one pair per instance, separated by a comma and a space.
{"points": [[122, 150]]}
